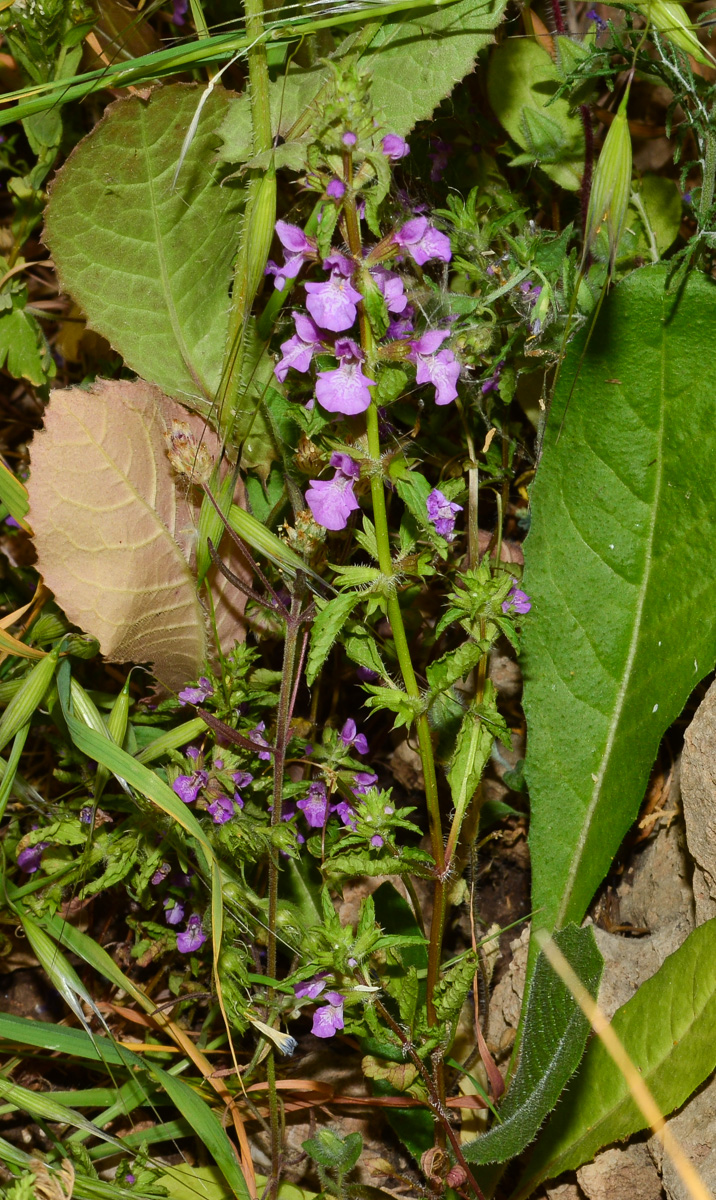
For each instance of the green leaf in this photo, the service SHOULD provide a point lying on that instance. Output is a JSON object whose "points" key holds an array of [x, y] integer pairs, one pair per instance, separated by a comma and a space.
{"points": [[621, 565], [553, 1039], [667, 1031], [74, 1043], [23, 349], [329, 621], [149, 263], [521, 79]]}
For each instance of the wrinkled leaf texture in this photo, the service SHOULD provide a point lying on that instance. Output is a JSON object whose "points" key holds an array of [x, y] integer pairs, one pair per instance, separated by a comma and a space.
{"points": [[667, 1031], [621, 567], [115, 528], [553, 1040], [151, 264]]}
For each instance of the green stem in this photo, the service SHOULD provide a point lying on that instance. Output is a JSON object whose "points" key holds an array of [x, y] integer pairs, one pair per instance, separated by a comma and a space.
{"points": [[709, 174]]}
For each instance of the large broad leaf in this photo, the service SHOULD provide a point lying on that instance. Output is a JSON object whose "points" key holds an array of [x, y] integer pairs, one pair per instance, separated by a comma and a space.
{"points": [[667, 1029], [521, 81], [414, 63], [149, 263], [621, 567], [553, 1039], [115, 528]]}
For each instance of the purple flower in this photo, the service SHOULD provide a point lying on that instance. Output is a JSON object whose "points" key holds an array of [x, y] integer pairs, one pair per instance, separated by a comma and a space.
{"points": [[328, 1019], [192, 937], [345, 813], [196, 695], [391, 285], [257, 736], [336, 189], [394, 147], [297, 248], [314, 806], [222, 809], [310, 988], [173, 911], [187, 787], [440, 156], [377, 841], [350, 737], [160, 874], [491, 384], [332, 501], [441, 369], [179, 11], [442, 513], [403, 325], [366, 675], [193, 752], [594, 16], [242, 779], [28, 860], [129, 1177], [363, 781], [333, 304], [86, 814], [517, 601], [345, 390], [423, 241], [349, 139], [299, 349]]}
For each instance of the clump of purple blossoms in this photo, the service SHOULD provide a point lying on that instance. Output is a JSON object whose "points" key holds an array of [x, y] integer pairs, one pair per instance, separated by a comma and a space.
{"points": [[29, 859], [297, 248], [328, 1019], [363, 781], [423, 241], [332, 501], [350, 737], [439, 367], [517, 601], [394, 147], [193, 937], [223, 808], [442, 513], [196, 695], [333, 304]]}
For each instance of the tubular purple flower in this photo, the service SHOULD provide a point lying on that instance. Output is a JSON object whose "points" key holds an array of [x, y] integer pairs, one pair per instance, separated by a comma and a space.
{"points": [[314, 806], [442, 513], [363, 781], [366, 675], [336, 189], [193, 752], [310, 988], [350, 737], [345, 390], [173, 911], [242, 779], [441, 369], [349, 139], [257, 736], [297, 248], [345, 813], [86, 814], [332, 501], [187, 787], [423, 241], [299, 350], [377, 841], [391, 285], [196, 695], [440, 157], [160, 874], [491, 384], [28, 860], [394, 147], [333, 304], [517, 601], [193, 937], [222, 809], [328, 1019]]}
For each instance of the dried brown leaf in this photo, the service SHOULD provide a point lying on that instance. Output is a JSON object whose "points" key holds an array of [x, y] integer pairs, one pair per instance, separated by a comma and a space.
{"points": [[115, 528]]}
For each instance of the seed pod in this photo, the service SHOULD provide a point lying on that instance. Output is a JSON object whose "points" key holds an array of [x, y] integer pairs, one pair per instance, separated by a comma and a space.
{"points": [[611, 187], [670, 19], [28, 698], [117, 728]]}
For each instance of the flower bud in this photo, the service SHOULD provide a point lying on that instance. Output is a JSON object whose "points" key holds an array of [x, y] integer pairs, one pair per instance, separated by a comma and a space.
{"points": [[28, 698], [611, 187], [186, 456]]}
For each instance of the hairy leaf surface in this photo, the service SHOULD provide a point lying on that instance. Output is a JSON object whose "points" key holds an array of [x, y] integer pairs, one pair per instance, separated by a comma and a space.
{"points": [[667, 1031], [151, 264], [115, 528], [553, 1039], [621, 567]]}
